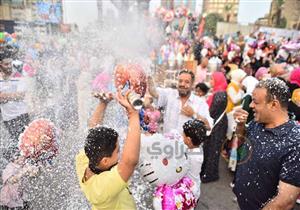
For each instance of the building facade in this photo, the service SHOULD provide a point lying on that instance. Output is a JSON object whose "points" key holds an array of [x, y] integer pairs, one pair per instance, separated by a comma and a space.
{"points": [[171, 4], [228, 9], [285, 14], [291, 12], [41, 16]]}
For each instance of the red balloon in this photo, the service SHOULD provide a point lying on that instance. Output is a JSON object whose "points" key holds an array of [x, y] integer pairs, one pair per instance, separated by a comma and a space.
{"points": [[134, 74]]}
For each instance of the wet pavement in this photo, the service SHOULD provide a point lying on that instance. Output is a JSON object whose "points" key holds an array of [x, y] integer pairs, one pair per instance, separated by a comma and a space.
{"points": [[218, 195]]}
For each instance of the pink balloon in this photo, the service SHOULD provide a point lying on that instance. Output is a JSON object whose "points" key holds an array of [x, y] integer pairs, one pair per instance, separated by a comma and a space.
{"points": [[182, 189], [39, 137], [102, 82], [133, 73], [30, 71], [169, 16]]}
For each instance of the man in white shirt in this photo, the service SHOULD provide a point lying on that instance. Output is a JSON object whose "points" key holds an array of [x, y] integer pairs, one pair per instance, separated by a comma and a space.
{"points": [[181, 105], [12, 105]]}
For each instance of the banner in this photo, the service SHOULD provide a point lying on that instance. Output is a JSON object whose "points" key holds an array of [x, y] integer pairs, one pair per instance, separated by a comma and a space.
{"points": [[49, 12]]}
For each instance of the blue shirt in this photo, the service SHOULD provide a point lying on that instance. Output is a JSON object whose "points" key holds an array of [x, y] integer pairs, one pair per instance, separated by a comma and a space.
{"points": [[273, 156]]}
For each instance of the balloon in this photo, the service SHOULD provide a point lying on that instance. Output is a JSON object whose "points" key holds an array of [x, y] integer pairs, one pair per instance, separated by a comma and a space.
{"points": [[208, 43], [8, 39], [133, 73], [29, 70], [177, 196], [165, 164], [149, 119], [163, 159], [40, 137], [161, 11], [102, 82], [14, 35], [169, 16], [2, 37]]}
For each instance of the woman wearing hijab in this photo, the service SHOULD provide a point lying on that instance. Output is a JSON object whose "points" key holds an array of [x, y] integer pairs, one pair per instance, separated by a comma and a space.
{"points": [[262, 73], [218, 83], [249, 83], [212, 146], [235, 95], [234, 90]]}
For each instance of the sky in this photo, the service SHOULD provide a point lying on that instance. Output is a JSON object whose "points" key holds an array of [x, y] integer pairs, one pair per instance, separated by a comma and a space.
{"points": [[76, 11], [251, 10]]}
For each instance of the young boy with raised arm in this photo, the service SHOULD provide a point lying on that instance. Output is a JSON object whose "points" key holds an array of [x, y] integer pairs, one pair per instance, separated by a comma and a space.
{"points": [[102, 175]]}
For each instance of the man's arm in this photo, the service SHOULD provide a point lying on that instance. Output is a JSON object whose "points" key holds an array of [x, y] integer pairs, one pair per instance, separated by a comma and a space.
{"points": [[189, 112], [131, 151], [285, 199], [5, 97]]}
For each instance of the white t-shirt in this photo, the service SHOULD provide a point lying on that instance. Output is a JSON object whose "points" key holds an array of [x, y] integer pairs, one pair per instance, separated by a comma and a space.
{"points": [[12, 109], [173, 118], [196, 158]]}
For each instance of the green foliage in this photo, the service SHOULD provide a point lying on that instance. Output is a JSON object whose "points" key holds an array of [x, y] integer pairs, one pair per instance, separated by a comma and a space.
{"points": [[280, 2], [282, 23], [228, 7], [211, 21]]}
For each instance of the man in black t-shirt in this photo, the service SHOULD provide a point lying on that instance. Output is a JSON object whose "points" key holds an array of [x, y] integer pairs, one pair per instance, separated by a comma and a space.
{"points": [[269, 178]]}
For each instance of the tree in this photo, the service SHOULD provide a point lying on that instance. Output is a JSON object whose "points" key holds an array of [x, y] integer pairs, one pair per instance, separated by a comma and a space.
{"points": [[282, 23], [278, 18], [211, 21]]}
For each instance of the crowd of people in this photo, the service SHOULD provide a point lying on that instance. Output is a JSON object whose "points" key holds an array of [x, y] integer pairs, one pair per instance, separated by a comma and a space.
{"points": [[236, 96]]}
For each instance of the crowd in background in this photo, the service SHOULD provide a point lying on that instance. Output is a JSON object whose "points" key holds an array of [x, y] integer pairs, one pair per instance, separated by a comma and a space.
{"points": [[58, 74]]}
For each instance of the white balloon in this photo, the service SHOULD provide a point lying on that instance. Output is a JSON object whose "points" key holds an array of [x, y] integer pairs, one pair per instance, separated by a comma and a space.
{"points": [[163, 160]]}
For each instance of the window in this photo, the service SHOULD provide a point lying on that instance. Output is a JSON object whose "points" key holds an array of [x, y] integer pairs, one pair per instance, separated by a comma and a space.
{"points": [[5, 1]]}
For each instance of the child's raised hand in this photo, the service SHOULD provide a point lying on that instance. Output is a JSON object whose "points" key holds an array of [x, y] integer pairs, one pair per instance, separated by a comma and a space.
{"points": [[123, 100]]}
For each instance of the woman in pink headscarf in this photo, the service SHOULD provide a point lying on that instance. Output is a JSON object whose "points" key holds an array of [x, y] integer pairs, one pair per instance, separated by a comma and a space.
{"points": [[295, 77], [218, 83], [262, 73], [294, 85]]}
